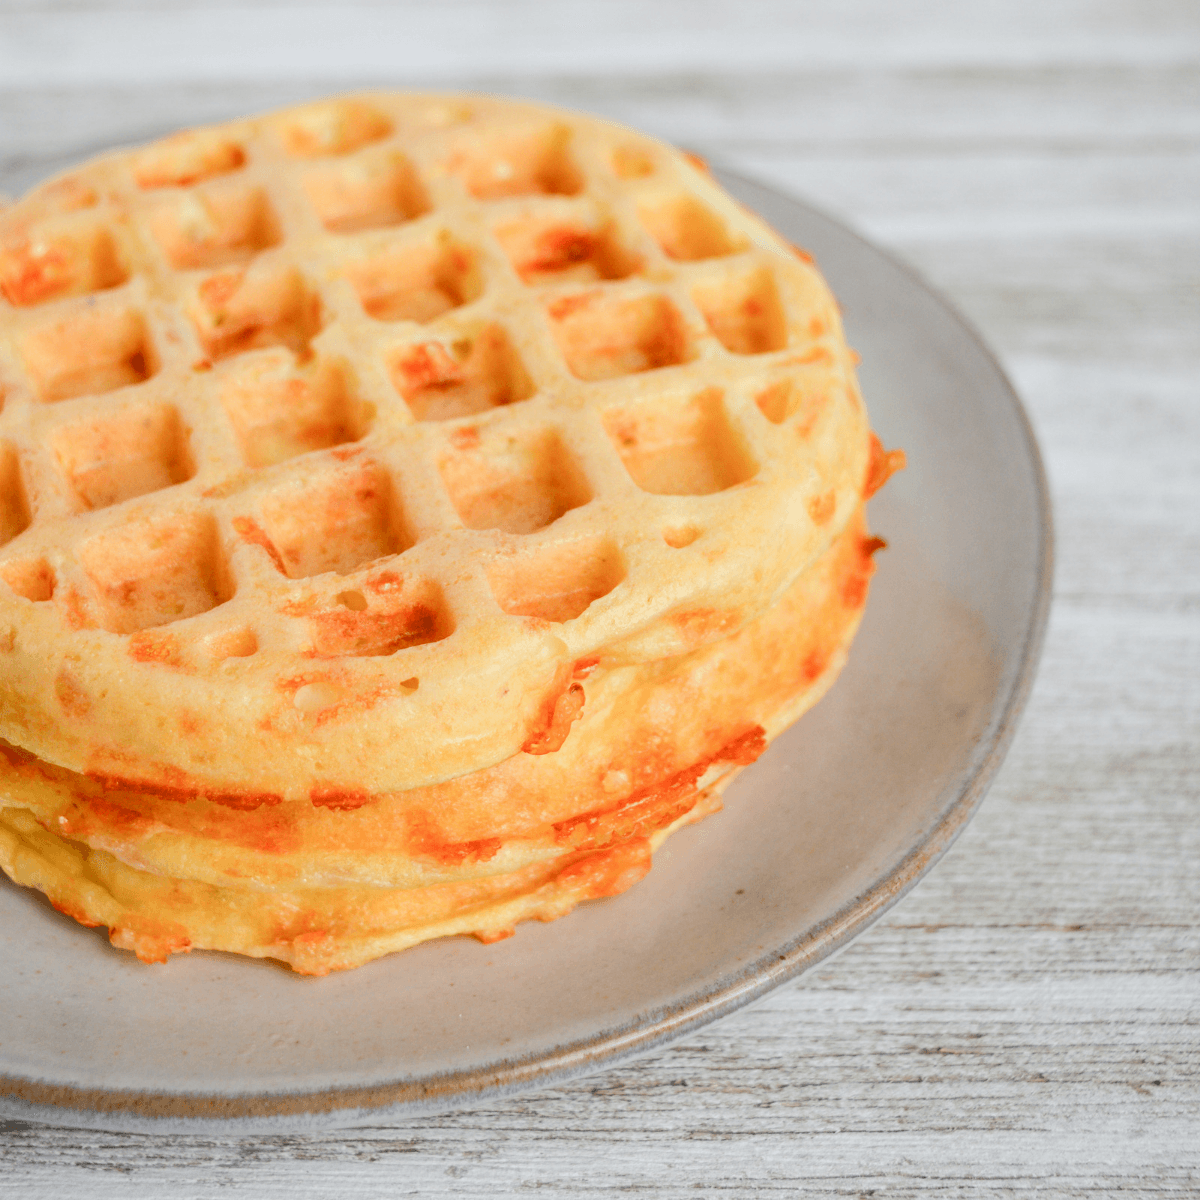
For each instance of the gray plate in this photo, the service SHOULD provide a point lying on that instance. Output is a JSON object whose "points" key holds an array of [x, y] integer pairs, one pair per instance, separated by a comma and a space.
{"points": [[835, 822]]}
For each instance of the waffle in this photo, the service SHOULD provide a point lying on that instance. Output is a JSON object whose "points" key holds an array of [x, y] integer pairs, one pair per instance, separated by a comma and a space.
{"points": [[412, 510], [333, 441], [314, 931], [324, 891]]}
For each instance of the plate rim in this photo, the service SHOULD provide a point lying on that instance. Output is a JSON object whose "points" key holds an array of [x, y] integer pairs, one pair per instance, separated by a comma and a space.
{"points": [[147, 1110]]}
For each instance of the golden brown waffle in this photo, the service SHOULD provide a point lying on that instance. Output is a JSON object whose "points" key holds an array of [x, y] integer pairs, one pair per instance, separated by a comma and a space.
{"points": [[333, 441], [528, 838], [315, 931], [646, 731]]}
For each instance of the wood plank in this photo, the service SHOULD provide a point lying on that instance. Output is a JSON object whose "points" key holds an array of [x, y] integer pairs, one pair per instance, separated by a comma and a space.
{"points": [[162, 42]]}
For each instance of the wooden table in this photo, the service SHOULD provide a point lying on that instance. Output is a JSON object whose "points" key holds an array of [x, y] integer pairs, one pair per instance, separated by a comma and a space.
{"points": [[1028, 1019]]}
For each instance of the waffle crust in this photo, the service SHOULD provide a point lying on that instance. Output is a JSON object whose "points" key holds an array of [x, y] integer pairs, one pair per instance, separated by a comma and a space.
{"points": [[337, 443]]}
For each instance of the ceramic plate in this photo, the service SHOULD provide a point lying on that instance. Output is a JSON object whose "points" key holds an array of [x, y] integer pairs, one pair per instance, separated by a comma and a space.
{"points": [[837, 820]]}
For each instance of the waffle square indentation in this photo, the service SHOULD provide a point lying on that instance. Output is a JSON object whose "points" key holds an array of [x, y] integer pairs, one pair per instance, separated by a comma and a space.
{"points": [[476, 372], [152, 572], [415, 282], [558, 581], [632, 162], [187, 158], [14, 505], [517, 482], [561, 249], [744, 312], [245, 310], [367, 192], [389, 611], [686, 229], [603, 336], [681, 447], [70, 260], [33, 579], [332, 518], [797, 396], [117, 456], [95, 350], [216, 227], [331, 127], [518, 162], [279, 410]]}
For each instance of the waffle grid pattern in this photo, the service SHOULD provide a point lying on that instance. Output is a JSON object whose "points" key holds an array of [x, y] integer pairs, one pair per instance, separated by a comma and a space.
{"points": [[535, 357]]}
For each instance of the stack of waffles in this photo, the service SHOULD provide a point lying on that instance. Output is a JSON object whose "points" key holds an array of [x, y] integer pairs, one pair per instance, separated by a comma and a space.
{"points": [[412, 510]]}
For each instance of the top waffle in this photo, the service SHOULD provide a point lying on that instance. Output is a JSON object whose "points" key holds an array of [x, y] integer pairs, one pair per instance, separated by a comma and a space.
{"points": [[334, 441]]}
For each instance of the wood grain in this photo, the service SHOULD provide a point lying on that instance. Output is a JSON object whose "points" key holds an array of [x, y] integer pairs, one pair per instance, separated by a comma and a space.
{"points": [[1029, 1019]]}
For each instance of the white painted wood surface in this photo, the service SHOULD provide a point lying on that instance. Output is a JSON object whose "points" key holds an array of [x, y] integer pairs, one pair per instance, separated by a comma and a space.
{"points": [[1029, 1019]]}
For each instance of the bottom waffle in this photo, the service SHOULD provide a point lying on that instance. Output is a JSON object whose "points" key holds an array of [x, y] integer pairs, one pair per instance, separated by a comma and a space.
{"points": [[327, 888], [314, 930]]}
